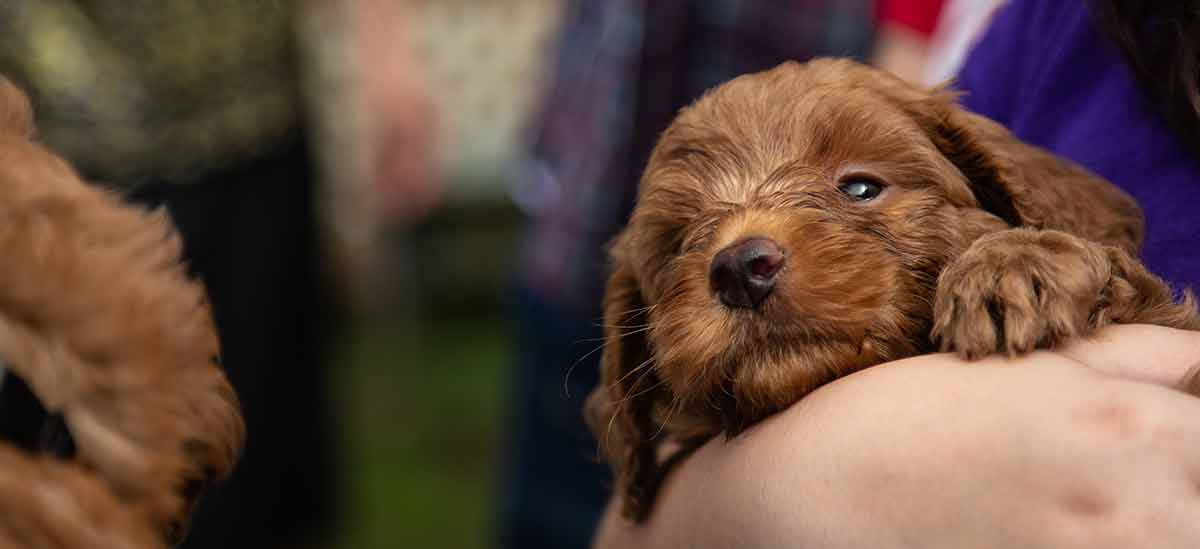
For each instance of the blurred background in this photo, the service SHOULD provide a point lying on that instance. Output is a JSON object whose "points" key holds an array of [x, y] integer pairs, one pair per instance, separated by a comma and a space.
{"points": [[399, 208]]}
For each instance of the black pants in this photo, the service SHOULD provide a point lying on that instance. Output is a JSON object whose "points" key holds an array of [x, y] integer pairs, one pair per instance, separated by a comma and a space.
{"points": [[555, 488], [250, 235]]}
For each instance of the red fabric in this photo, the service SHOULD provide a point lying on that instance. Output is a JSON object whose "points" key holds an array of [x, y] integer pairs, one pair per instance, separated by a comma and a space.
{"points": [[918, 15]]}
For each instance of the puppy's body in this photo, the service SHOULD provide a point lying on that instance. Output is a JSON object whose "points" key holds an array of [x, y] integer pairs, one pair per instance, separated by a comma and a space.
{"points": [[100, 320], [797, 225]]}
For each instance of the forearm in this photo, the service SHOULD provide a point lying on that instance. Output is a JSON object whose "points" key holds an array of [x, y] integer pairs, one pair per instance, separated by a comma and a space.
{"points": [[931, 452]]}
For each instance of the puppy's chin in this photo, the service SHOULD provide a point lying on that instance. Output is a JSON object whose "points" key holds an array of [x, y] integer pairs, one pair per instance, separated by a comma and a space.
{"points": [[736, 369], [767, 383], [759, 370]]}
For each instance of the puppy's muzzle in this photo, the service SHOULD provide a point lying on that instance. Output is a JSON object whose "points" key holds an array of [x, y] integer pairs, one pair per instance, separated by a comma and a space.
{"points": [[743, 274]]}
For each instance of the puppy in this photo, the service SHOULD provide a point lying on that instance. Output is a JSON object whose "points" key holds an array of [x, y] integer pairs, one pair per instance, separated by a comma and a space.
{"points": [[100, 321], [799, 224]]}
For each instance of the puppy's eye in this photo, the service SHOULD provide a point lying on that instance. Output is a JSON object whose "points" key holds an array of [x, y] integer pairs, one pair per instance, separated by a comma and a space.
{"points": [[861, 189]]}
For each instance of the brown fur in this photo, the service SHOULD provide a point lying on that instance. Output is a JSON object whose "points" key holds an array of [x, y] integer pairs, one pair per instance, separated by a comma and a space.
{"points": [[979, 244], [53, 505], [98, 316]]}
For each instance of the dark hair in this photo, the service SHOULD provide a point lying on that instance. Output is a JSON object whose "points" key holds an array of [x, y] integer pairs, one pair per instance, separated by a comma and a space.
{"points": [[1161, 42]]}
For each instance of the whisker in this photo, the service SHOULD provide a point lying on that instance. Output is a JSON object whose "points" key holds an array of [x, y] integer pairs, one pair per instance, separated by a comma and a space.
{"points": [[632, 330], [567, 376], [605, 341], [622, 326], [631, 312], [611, 421], [628, 398], [676, 404], [643, 391], [630, 372]]}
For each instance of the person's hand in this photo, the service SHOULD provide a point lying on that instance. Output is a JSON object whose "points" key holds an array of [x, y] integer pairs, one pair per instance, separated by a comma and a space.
{"points": [[1055, 450], [1147, 353]]}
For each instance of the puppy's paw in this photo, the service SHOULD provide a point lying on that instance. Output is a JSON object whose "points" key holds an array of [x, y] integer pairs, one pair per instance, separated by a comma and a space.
{"points": [[1022, 289]]}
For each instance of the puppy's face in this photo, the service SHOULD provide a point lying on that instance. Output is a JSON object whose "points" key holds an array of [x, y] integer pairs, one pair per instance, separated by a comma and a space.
{"points": [[790, 229]]}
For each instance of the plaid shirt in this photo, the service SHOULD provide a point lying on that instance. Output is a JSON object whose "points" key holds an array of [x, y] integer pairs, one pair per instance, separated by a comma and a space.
{"points": [[625, 67]]}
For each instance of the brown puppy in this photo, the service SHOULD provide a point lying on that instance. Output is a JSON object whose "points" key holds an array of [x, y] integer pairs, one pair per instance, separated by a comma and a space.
{"points": [[799, 224], [99, 319]]}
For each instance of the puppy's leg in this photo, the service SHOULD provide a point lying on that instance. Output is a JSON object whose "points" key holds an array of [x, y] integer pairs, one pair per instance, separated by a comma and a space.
{"points": [[1023, 289]]}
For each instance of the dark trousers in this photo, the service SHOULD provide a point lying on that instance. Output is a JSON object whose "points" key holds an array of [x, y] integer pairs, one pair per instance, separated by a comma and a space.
{"points": [[250, 235], [555, 488]]}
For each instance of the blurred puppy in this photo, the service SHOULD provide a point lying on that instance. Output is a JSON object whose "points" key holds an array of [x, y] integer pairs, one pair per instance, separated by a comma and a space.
{"points": [[99, 319], [799, 224]]}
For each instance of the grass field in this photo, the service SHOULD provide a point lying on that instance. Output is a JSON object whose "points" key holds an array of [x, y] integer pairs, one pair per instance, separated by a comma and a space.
{"points": [[422, 416], [424, 394]]}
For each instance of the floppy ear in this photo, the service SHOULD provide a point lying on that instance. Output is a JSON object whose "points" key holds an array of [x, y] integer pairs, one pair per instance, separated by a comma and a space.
{"points": [[1027, 186], [620, 410]]}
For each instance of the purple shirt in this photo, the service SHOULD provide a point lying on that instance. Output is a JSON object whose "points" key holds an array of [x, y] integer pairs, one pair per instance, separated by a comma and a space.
{"points": [[1044, 70]]}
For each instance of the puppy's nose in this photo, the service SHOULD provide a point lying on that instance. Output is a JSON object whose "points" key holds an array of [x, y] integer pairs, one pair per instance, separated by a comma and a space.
{"points": [[743, 274]]}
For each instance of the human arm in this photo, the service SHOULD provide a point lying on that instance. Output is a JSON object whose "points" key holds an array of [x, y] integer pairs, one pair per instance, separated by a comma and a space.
{"points": [[930, 452]]}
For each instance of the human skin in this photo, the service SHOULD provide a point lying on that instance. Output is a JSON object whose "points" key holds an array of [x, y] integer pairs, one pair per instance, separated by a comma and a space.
{"points": [[1087, 446]]}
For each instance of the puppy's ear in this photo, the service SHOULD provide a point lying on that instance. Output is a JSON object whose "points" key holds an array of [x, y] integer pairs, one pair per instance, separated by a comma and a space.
{"points": [[16, 115], [1025, 185], [620, 410]]}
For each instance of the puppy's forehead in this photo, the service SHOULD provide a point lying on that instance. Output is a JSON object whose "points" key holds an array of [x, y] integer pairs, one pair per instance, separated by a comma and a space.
{"points": [[817, 116]]}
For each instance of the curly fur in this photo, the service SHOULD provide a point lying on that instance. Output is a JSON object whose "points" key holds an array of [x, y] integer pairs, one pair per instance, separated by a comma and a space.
{"points": [[978, 244], [99, 318]]}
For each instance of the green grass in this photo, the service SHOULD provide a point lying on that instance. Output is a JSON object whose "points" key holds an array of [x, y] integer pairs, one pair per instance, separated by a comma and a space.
{"points": [[423, 405]]}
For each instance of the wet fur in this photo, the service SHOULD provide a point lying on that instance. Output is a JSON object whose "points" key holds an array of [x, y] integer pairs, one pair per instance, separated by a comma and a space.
{"points": [[980, 244], [99, 318]]}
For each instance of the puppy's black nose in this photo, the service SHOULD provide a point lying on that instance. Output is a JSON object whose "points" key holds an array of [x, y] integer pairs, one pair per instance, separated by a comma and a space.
{"points": [[743, 274]]}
